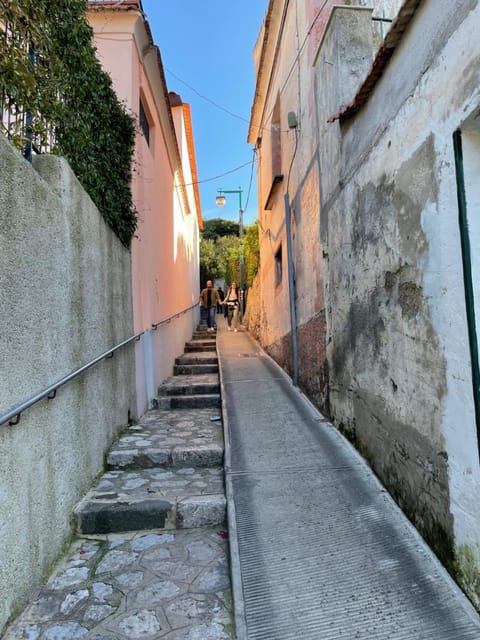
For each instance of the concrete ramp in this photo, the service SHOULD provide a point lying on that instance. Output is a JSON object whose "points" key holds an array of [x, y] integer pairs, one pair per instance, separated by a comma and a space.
{"points": [[319, 549]]}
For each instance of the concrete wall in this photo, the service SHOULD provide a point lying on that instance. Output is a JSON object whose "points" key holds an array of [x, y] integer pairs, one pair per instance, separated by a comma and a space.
{"points": [[398, 352], [65, 297]]}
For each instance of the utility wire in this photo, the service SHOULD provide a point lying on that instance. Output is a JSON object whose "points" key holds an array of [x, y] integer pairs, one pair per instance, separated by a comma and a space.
{"points": [[215, 104], [251, 179], [188, 184]]}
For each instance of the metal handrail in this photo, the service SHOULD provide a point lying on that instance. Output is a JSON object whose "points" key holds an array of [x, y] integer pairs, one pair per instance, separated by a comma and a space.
{"points": [[13, 416], [51, 391], [155, 325]]}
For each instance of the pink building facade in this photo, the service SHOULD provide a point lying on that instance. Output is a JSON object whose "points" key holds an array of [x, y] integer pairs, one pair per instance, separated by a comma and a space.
{"points": [[165, 249]]}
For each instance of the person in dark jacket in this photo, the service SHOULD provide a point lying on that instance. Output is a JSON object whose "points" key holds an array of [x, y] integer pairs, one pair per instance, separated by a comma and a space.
{"points": [[208, 301]]}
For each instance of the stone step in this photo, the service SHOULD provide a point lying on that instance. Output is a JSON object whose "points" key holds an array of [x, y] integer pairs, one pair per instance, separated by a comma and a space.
{"points": [[211, 400], [203, 335], [153, 499], [188, 385], [194, 369], [197, 358], [200, 345], [170, 438]]}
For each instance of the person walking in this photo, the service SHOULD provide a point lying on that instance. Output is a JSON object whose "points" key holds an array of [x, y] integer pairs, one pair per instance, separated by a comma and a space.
{"points": [[232, 303], [208, 301], [221, 296]]}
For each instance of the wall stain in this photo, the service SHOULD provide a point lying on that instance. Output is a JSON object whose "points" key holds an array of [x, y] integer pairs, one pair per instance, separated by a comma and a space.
{"points": [[388, 371]]}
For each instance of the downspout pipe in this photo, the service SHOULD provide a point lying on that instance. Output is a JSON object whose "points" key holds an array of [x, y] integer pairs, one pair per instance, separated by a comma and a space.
{"points": [[467, 276], [291, 290]]}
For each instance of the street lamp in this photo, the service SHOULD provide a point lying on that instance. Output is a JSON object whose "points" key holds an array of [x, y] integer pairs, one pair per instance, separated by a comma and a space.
{"points": [[220, 202]]}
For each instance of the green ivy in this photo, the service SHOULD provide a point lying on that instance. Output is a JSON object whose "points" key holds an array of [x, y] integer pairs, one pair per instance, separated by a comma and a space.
{"points": [[66, 91]]}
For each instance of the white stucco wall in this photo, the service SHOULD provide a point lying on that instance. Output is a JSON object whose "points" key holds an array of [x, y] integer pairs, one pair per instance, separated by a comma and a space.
{"points": [[65, 296]]}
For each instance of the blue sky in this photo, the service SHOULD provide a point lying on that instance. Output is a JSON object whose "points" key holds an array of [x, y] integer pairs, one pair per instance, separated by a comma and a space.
{"points": [[207, 50]]}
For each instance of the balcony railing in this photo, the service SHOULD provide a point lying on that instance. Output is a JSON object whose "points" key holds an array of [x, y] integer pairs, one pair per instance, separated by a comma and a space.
{"points": [[28, 130]]}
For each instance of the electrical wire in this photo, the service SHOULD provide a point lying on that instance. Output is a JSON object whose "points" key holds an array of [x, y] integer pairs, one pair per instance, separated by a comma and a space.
{"points": [[215, 104], [245, 164], [293, 158], [251, 179], [302, 46], [299, 53]]}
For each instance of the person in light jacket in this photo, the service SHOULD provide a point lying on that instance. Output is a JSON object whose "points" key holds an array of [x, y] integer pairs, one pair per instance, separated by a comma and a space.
{"points": [[232, 304]]}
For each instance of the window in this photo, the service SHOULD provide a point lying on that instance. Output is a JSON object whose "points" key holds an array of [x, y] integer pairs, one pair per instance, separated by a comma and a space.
{"points": [[275, 155], [278, 266], [144, 126], [276, 141]]}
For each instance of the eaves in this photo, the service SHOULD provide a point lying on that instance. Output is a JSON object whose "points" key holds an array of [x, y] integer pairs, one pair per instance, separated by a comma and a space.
{"points": [[385, 52], [270, 35]]}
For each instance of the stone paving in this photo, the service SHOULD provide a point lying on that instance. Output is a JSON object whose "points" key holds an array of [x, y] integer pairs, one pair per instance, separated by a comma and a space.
{"points": [[171, 580], [172, 585], [164, 437]]}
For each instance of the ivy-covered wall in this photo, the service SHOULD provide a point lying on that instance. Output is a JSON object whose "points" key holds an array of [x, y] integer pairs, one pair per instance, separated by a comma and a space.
{"points": [[48, 68]]}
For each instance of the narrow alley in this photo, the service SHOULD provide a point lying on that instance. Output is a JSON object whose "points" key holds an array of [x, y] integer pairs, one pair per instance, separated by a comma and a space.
{"points": [[318, 549], [314, 473]]}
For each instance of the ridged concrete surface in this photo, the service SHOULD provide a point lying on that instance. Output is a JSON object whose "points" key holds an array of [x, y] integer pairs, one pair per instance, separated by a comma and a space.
{"points": [[319, 549]]}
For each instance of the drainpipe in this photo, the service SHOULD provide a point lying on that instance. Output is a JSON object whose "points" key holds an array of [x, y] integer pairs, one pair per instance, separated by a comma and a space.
{"points": [[291, 291], [467, 276]]}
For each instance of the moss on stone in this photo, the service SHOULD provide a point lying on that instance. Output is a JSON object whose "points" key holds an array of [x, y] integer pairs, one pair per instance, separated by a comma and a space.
{"points": [[467, 572]]}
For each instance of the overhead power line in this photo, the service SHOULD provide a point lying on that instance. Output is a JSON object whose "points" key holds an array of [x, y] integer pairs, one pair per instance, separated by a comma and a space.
{"points": [[245, 164]]}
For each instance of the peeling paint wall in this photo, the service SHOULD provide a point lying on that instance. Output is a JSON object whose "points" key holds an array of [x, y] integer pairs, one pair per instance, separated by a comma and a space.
{"points": [[398, 352], [285, 57], [292, 92]]}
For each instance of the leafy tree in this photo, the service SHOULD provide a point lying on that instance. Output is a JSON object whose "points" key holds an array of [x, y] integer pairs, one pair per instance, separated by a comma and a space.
{"points": [[208, 261], [217, 228], [220, 257]]}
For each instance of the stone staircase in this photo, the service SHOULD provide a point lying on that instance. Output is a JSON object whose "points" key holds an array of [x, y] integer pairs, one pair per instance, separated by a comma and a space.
{"points": [[166, 471], [150, 559]]}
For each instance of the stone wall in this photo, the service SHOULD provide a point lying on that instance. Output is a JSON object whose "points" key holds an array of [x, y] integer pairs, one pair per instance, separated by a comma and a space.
{"points": [[65, 297]]}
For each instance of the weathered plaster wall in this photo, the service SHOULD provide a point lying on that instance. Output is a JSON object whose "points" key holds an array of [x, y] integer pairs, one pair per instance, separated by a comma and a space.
{"points": [[65, 297], [292, 91], [398, 347]]}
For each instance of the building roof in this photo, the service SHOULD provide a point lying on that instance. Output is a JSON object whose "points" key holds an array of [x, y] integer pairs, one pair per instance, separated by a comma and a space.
{"points": [[266, 50], [116, 4], [382, 58]]}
